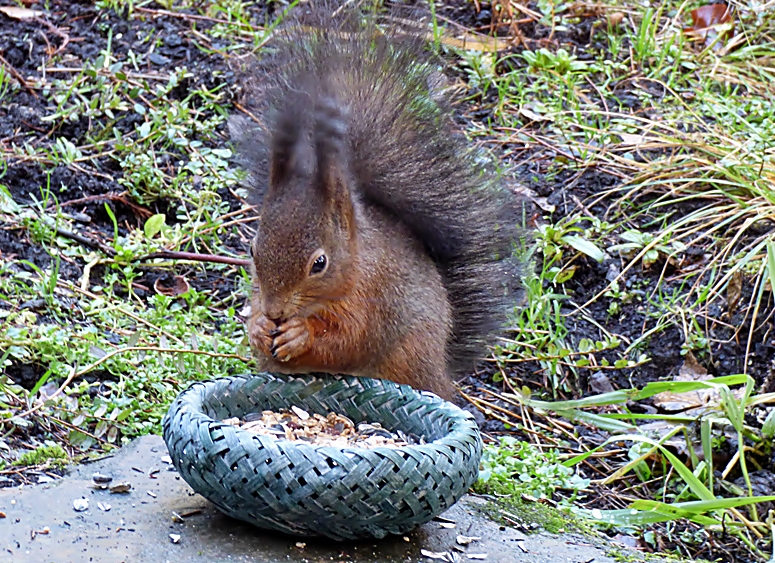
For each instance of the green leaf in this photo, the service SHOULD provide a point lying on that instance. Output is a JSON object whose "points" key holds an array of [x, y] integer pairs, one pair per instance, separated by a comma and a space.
{"points": [[585, 345], [655, 387], [768, 428], [154, 225], [686, 474], [584, 246], [771, 263], [7, 204], [144, 130], [599, 421], [702, 506]]}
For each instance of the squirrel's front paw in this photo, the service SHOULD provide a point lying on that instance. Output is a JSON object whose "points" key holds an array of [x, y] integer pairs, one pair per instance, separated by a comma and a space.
{"points": [[293, 339], [260, 334]]}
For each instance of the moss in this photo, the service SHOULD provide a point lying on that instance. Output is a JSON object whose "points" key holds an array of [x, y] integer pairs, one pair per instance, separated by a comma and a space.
{"points": [[628, 556], [53, 455], [535, 516]]}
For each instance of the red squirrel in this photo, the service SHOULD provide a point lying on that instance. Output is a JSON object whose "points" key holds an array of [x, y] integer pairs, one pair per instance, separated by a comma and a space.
{"points": [[384, 246]]}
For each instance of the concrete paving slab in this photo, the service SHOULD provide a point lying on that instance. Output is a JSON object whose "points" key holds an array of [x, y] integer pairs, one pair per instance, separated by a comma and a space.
{"points": [[138, 525]]}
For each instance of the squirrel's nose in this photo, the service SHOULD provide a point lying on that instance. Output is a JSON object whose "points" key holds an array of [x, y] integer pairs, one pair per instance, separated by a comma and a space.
{"points": [[274, 310]]}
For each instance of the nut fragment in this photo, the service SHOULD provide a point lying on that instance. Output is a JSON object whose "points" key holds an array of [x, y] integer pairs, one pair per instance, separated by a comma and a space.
{"points": [[122, 487], [465, 540]]}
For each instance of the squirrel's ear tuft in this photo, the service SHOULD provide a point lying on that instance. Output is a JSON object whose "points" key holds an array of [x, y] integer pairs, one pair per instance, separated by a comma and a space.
{"points": [[284, 143], [291, 152], [332, 161]]}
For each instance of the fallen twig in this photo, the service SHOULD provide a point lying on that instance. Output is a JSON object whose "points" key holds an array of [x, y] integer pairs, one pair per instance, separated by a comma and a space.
{"points": [[87, 241]]}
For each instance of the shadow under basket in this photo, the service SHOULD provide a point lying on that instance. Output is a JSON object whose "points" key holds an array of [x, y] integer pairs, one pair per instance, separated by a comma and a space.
{"points": [[307, 490]]}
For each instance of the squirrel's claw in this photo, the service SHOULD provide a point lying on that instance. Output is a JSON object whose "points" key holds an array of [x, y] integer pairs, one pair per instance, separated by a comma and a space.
{"points": [[260, 331], [293, 341]]}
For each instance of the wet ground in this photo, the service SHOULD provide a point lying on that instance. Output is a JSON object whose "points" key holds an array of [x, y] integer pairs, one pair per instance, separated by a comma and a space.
{"points": [[41, 524]]}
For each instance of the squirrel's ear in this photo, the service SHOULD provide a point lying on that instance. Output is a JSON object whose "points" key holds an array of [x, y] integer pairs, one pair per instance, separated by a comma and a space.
{"points": [[336, 191]]}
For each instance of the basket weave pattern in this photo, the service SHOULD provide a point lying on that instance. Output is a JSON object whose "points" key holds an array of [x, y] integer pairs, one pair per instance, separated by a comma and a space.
{"points": [[301, 489]]}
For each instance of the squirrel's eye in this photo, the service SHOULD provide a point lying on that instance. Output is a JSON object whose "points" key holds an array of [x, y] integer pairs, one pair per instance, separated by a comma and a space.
{"points": [[319, 265]]}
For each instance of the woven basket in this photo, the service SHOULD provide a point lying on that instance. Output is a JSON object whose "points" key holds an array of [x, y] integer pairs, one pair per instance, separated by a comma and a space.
{"points": [[307, 490]]}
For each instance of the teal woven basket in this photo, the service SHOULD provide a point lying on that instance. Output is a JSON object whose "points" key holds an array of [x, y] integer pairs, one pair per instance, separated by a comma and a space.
{"points": [[307, 490]]}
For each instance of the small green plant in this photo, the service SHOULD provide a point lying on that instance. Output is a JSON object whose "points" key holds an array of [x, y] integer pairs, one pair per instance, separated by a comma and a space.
{"points": [[480, 68], [649, 245], [6, 83], [560, 62], [514, 468], [124, 8]]}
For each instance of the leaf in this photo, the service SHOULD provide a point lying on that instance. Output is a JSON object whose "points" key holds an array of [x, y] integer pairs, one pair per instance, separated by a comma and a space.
{"points": [[585, 247], [18, 13], [533, 116], [443, 555], [598, 421], [633, 517], [80, 440], [124, 414], [7, 204], [710, 15], [97, 352], [711, 21], [686, 474], [768, 428], [654, 387], [771, 263], [154, 225], [734, 291], [101, 428], [172, 286], [680, 400], [632, 139]]}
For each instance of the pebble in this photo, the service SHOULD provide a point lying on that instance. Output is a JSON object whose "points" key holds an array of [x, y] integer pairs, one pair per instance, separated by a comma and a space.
{"points": [[158, 59], [100, 478]]}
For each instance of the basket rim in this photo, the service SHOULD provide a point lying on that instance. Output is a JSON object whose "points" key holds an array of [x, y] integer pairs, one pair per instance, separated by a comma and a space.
{"points": [[463, 423]]}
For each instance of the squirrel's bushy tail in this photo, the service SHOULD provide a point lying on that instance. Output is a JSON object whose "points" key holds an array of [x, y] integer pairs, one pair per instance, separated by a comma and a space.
{"points": [[405, 154]]}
